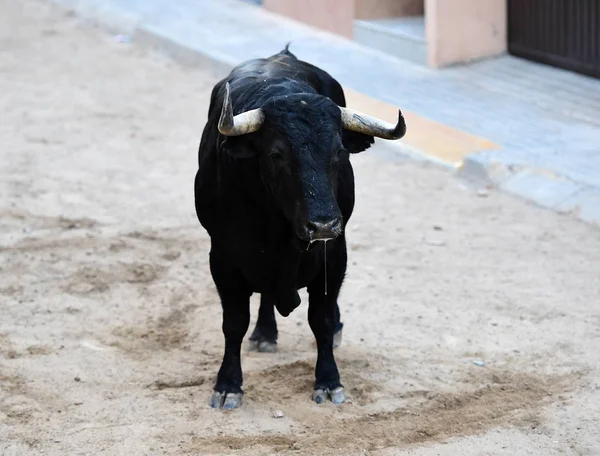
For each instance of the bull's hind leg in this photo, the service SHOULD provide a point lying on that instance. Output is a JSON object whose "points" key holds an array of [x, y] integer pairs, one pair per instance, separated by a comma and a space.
{"points": [[235, 300], [264, 336], [322, 309]]}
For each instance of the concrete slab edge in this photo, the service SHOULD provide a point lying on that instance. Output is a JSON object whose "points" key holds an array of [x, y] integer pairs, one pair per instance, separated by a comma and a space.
{"points": [[102, 16], [538, 186], [219, 64]]}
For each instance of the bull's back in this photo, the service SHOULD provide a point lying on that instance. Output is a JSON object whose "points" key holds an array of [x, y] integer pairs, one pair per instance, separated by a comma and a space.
{"points": [[285, 65]]}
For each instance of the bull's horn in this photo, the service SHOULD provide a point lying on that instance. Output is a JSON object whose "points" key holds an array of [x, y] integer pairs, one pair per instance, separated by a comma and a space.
{"points": [[369, 125], [243, 123]]}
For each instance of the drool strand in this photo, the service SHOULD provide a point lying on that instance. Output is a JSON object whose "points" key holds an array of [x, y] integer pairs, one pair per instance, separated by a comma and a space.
{"points": [[325, 248]]}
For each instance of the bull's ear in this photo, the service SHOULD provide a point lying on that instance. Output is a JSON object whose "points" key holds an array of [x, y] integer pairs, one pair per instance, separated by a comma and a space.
{"points": [[236, 147], [356, 142]]}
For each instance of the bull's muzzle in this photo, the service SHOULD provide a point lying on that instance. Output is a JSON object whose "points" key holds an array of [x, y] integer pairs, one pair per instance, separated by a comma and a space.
{"points": [[323, 230]]}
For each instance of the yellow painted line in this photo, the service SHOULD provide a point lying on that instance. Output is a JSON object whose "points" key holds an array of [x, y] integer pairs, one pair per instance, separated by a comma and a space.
{"points": [[424, 135]]}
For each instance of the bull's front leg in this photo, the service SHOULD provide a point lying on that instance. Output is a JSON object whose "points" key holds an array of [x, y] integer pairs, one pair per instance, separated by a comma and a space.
{"points": [[322, 309], [339, 326], [235, 300]]}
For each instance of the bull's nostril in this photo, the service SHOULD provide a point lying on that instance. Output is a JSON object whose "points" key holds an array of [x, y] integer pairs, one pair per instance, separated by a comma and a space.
{"points": [[324, 230], [313, 229], [337, 225]]}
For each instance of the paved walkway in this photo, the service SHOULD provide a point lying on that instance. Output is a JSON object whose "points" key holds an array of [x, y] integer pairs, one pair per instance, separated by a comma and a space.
{"points": [[526, 128]]}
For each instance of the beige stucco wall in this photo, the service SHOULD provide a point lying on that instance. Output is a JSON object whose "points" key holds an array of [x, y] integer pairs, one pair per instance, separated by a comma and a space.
{"points": [[336, 16], [375, 9], [457, 30], [463, 30]]}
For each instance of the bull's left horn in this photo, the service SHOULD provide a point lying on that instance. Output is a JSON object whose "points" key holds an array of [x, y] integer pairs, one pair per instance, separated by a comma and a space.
{"points": [[369, 125], [243, 123]]}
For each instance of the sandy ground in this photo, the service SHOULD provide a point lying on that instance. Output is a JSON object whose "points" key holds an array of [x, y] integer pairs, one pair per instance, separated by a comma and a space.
{"points": [[110, 326]]}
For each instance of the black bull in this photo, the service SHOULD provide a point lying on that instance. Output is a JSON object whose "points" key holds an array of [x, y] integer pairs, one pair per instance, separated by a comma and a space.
{"points": [[274, 177]]}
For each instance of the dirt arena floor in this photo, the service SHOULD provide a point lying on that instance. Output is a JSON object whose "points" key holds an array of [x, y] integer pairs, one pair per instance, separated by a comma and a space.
{"points": [[472, 321]]}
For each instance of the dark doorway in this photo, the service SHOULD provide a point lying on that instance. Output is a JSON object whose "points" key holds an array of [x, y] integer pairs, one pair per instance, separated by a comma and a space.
{"points": [[561, 33]]}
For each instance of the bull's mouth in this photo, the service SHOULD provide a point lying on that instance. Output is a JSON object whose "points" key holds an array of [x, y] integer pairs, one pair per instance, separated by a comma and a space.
{"points": [[304, 243], [317, 231], [324, 236], [309, 240]]}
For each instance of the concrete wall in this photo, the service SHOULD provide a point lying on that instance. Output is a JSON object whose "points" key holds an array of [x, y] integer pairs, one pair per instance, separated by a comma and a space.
{"points": [[457, 30], [335, 16], [464, 30], [376, 9]]}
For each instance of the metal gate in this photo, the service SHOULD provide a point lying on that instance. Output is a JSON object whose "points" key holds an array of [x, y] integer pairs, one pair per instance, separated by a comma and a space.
{"points": [[562, 33]]}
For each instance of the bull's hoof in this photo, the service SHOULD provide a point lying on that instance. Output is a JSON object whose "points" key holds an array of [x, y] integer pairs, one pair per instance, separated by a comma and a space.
{"points": [[336, 395], [337, 339], [319, 396], [263, 339], [262, 346], [227, 401]]}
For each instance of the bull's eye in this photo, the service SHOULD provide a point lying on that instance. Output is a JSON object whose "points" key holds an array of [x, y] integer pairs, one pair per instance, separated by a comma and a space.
{"points": [[276, 156], [337, 158]]}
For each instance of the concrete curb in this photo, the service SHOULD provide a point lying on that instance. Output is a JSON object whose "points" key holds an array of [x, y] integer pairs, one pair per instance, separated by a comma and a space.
{"points": [[101, 15], [541, 187], [221, 65], [538, 186]]}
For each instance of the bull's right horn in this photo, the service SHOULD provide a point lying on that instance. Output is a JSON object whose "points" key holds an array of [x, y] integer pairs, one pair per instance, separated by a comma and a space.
{"points": [[369, 125], [243, 123]]}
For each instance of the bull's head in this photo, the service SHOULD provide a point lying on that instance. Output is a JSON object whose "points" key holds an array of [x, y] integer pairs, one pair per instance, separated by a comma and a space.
{"points": [[299, 142]]}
